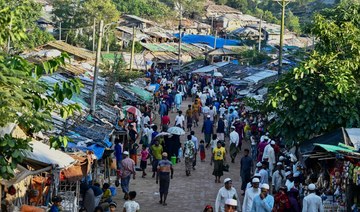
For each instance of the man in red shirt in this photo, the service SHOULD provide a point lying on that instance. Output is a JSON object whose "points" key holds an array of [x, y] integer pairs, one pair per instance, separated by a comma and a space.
{"points": [[165, 122]]}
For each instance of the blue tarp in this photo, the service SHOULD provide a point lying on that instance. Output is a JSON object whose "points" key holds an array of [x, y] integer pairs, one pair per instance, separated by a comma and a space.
{"points": [[98, 150], [209, 40]]}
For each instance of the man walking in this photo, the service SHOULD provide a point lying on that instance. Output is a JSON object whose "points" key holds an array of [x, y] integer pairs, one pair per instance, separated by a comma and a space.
{"points": [[246, 164], [312, 202], [165, 172], [226, 192], [250, 194], [189, 150], [221, 129], [264, 202], [207, 129], [196, 144], [127, 169], [234, 142]]}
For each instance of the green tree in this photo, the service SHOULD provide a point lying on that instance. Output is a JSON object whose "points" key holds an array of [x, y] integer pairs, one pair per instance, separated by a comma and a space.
{"points": [[115, 71], [323, 93], [16, 18], [25, 99], [101, 10], [150, 9], [292, 22]]}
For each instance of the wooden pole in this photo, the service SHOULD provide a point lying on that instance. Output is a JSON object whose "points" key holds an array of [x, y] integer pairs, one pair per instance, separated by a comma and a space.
{"points": [[132, 50]]}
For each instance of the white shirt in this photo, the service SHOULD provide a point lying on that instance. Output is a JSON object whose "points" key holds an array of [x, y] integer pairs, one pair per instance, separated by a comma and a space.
{"points": [[146, 120], [196, 142], [234, 138], [149, 134], [222, 111], [264, 176], [131, 206], [289, 184], [270, 152], [213, 143], [265, 154], [277, 181], [312, 203], [222, 196], [179, 120], [205, 110], [249, 197]]}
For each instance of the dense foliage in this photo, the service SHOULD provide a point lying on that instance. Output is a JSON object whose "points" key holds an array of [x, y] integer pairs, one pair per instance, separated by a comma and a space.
{"points": [[25, 100], [16, 18], [323, 93]]}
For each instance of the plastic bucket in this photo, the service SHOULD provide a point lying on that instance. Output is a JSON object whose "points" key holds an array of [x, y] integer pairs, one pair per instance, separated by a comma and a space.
{"points": [[173, 160]]}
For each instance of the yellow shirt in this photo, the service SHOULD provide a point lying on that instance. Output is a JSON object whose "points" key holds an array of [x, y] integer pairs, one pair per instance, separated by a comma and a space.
{"points": [[219, 153]]}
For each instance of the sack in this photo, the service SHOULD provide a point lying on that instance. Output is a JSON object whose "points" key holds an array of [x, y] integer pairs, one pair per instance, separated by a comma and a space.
{"points": [[226, 168]]}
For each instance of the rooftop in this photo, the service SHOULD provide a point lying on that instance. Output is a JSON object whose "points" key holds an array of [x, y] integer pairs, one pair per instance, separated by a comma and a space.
{"points": [[221, 9], [73, 50]]}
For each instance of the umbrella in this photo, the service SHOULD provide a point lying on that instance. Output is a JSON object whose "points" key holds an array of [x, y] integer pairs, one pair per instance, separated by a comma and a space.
{"points": [[133, 110], [163, 134], [176, 131]]}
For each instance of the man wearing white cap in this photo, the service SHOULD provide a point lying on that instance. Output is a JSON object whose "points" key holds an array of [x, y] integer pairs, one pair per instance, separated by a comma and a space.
{"points": [[264, 175], [278, 178], [250, 194], [249, 185], [234, 142], [270, 154], [289, 180], [226, 192], [263, 202], [312, 202], [231, 205], [127, 169]]}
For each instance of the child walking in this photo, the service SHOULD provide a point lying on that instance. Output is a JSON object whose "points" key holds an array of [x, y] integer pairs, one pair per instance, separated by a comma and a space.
{"points": [[202, 150], [144, 157]]}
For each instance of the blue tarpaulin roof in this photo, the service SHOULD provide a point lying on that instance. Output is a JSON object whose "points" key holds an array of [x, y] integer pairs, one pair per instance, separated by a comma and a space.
{"points": [[98, 150], [209, 40]]}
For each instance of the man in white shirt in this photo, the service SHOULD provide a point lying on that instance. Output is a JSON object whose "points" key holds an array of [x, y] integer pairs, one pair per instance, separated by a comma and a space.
{"points": [[226, 192], [234, 142], [269, 153], [278, 178], [195, 140], [250, 193], [180, 120], [205, 110], [222, 109], [312, 202], [289, 181], [264, 175]]}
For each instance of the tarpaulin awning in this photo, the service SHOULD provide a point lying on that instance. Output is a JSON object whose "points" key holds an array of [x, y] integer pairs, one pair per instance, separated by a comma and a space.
{"points": [[334, 148], [96, 149], [44, 155], [331, 138], [210, 68], [141, 92]]}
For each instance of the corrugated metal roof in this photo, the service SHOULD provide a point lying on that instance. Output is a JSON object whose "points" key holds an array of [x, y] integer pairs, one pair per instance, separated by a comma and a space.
{"points": [[73, 50]]}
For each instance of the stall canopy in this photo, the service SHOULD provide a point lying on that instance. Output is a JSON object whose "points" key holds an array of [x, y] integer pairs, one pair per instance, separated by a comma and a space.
{"points": [[210, 68], [43, 155], [331, 138], [141, 92], [348, 136]]}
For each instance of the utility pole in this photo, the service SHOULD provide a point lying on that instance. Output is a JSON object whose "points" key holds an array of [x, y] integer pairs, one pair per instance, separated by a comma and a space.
{"points": [[283, 4], [215, 39], [60, 30], [260, 33], [132, 50], [96, 71], [94, 34], [180, 35]]}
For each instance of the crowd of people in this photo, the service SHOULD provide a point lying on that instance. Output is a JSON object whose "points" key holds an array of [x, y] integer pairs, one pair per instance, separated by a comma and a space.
{"points": [[272, 178]]}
